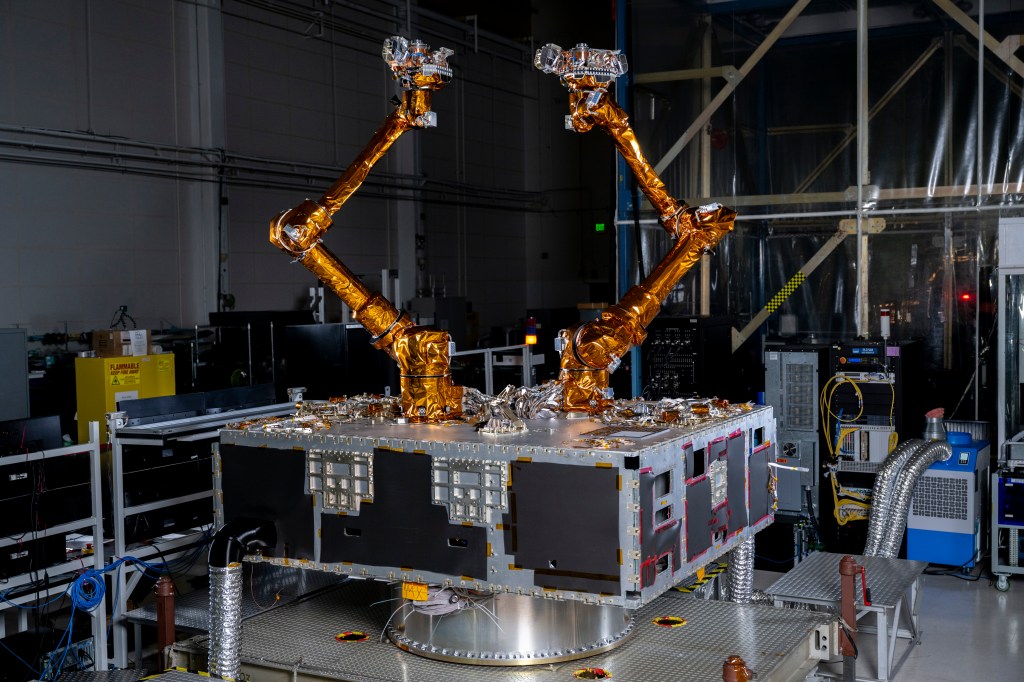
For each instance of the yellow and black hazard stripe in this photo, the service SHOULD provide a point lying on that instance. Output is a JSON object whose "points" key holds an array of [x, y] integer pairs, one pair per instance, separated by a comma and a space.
{"points": [[702, 580], [791, 286], [180, 669]]}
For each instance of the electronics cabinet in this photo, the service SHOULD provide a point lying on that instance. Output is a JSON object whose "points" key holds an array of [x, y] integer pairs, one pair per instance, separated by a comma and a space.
{"points": [[871, 400], [47, 495], [794, 375], [1011, 332], [14, 402], [161, 478], [793, 378], [686, 356], [1008, 479], [1007, 524]]}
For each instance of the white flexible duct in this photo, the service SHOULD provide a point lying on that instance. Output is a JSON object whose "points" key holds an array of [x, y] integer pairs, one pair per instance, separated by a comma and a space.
{"points": [[741, 572], [225, 621], [881, 494], [936, 451]]}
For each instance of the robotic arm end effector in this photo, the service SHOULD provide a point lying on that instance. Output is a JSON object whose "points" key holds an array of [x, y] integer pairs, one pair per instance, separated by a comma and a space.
{"points": [[415, 66], [582, 67]]}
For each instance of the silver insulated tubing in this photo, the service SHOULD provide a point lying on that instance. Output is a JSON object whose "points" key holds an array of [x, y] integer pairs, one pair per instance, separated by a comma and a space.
{"points": [[741, 572], [225, 621], [881, 494], [936, 451]]}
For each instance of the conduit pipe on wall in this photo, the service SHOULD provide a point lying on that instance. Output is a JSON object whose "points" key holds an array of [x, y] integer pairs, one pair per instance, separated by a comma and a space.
{"points": [[881, 494]]}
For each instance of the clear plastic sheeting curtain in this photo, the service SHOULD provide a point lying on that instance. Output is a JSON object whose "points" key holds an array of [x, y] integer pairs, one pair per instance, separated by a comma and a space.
{"points": [[935, 273], [1012, 415], [785, 141], [944, 160], [734, 267]]}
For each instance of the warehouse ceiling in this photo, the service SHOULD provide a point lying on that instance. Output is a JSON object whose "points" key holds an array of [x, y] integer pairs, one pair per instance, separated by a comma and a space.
{"points": [[509, 18], [752, 19]]}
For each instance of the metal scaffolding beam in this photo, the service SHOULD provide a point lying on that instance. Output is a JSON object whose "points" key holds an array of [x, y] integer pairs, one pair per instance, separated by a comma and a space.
{"points": [[851, 135], [1004, 50], [727, 90]]}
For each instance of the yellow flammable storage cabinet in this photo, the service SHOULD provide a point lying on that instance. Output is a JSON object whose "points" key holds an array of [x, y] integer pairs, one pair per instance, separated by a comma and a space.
{"points": [[101, 382]]}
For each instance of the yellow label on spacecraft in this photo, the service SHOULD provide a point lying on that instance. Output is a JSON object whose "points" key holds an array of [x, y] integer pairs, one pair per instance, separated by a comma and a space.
{"points": [[414, 591], [124, 373]]}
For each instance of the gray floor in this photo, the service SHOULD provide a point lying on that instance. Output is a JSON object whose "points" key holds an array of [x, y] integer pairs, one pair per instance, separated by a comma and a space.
{"points": [[969, 631]]}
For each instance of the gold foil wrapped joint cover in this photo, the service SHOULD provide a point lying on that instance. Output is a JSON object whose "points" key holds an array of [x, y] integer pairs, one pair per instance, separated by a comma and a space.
{"points": [[712, 218], [297, 230], [428, 393]]}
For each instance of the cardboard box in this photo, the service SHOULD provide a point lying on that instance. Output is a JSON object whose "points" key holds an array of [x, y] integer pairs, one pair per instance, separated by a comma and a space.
{"points": [[115, 343], [101, 382]]}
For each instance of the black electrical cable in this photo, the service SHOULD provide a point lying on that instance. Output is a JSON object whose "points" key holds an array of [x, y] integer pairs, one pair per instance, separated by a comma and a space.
{"points": [[958, 572], [810, 512], [977, 362], [239, 536], [791, 560], [853, 641]]}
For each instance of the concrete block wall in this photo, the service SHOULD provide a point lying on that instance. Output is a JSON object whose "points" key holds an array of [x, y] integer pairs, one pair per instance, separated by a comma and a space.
{"points": [[80, 241], [124, 114]]}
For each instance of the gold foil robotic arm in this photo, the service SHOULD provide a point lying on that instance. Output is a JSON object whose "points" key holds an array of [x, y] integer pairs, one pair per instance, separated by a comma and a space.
{"points": [[420, 73], [591, 351], [422, 353], [587, 73]]}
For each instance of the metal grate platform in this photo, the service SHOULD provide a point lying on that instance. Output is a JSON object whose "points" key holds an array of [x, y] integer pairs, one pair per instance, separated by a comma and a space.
{"points": [[816, 579], [893, 584], [104, 676], [303, 634], [192, 610]]}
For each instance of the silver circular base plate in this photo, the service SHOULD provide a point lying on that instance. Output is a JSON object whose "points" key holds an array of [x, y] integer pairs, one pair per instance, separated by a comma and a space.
{"points": [[508, 629]]}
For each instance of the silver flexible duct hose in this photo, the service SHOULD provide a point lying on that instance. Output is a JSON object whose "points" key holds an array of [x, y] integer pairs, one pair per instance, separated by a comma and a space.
{"points": [[936, 451], [881, 494], [741, 572], [225, 621]]}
